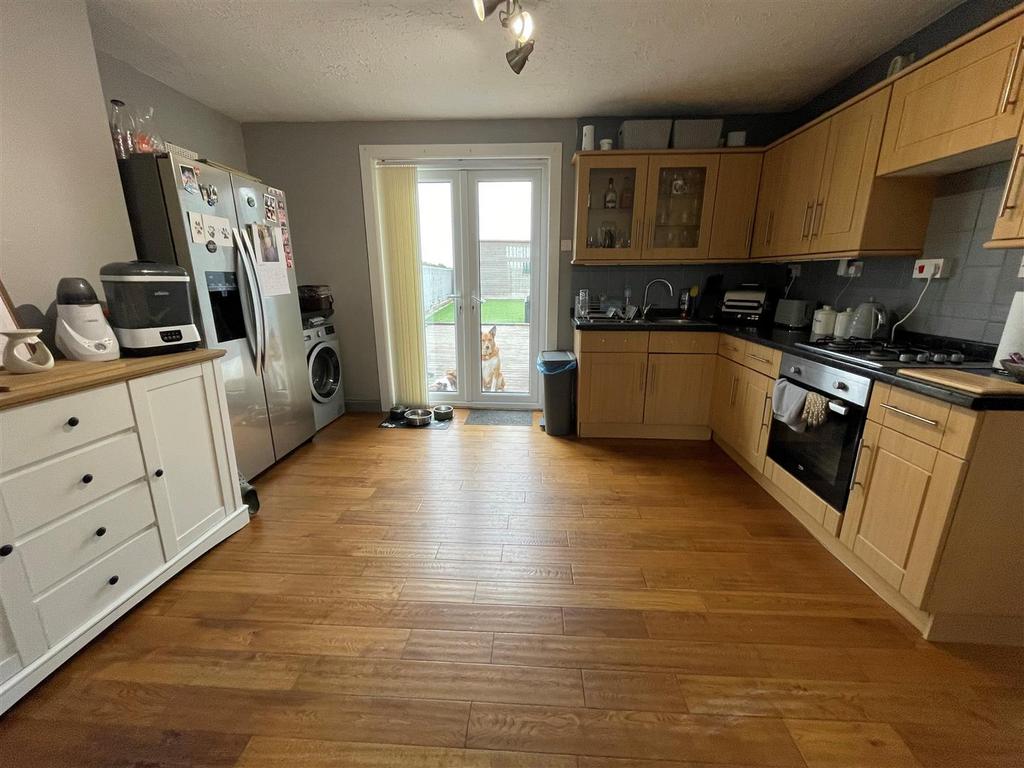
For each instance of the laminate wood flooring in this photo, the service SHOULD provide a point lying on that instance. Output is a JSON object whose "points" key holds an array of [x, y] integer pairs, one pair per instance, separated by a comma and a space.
{"points": [[491, 597]]}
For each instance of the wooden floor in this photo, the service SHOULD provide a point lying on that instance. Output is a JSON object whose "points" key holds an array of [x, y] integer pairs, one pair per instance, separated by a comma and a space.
{"points": [[490, 597]]}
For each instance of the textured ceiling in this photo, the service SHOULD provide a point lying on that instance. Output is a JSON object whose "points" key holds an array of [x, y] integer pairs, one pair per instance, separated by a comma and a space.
{"points": [[298, 60]]}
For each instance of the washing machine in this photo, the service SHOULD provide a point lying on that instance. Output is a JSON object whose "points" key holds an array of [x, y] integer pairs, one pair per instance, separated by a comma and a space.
{"points": [[323, 362]]}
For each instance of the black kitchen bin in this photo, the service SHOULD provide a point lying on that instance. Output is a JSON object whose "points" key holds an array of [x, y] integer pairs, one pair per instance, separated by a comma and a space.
{"points": [[559, 371]]}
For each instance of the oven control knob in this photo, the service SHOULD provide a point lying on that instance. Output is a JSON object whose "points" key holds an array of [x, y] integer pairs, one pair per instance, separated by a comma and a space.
{"points": [[956, 357], [939, 357], [840, 385], [923, 357], [795, 370]]}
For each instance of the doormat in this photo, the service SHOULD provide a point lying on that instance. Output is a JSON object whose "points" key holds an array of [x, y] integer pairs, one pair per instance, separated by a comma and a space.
{"points": [[403, 424], [490, 418]]}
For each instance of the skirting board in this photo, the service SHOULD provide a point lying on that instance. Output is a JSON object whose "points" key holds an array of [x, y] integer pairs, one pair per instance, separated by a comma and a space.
{"points": [[40, 668], [648, 431]]}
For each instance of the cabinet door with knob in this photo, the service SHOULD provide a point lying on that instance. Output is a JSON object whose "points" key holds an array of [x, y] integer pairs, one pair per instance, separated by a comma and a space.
{"points": [[185, 452]]}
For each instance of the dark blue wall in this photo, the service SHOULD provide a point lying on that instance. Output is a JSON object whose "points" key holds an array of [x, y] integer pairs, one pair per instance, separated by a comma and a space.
{"points": [[765, 128]]}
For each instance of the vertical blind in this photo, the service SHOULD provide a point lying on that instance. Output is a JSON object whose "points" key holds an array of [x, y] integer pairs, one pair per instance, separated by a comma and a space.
{"points": [[399, 237]]}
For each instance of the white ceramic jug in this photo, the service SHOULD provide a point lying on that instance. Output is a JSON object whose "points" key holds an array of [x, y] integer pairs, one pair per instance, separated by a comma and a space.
{"points": [[28, 360]]}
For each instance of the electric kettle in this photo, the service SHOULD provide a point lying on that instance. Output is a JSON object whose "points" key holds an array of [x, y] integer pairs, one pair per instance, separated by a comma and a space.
{"points": [[868, 317]]}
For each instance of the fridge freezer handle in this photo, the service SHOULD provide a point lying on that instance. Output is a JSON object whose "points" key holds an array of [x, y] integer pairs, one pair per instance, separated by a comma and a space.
{"points": [[255, 304], [250, 329]]}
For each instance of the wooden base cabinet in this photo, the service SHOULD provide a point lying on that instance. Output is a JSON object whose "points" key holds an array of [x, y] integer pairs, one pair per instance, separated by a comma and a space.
{"points": [[125, 496], [612, 386], [741, 397], [679, 389]]}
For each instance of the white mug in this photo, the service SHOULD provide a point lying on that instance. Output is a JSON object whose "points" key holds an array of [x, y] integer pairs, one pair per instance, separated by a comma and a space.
{"points": [[588, 138], [606, 144]]}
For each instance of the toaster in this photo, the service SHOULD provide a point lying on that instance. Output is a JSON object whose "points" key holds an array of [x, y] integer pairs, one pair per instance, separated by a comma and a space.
{"points": [[793, 313]]}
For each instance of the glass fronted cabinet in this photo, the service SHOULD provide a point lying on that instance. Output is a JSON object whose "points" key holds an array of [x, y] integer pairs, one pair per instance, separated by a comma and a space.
{"points": [[679, 207], [610, 195]]}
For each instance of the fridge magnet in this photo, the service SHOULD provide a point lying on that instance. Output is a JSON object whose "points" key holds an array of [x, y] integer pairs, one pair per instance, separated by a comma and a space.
{"points": [[286, 241], [197, 227], [221, 229], [270, 208], [189, 179], [282, 214], [279, 243], [271, 271]]}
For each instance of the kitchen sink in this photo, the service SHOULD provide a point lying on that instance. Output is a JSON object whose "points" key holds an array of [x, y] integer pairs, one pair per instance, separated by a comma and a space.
{"points": [[677, 321]]}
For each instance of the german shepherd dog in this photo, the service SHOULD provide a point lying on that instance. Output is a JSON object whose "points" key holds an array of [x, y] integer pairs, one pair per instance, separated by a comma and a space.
{"points": [[490, 362]]}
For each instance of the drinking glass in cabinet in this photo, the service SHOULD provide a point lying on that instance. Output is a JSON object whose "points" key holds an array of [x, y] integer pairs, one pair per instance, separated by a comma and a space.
{"points": [[680, 196]]}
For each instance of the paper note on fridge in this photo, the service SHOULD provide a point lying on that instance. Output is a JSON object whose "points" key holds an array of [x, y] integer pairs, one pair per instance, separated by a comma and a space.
{"points": [[197, 227], [270, 264], [218, 228]]}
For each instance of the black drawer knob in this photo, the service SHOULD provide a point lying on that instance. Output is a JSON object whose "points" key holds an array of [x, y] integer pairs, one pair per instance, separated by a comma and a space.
{"points": [[113, 580], [101, 531], [87, 478], [73, 421], [159, 473], [6, 549]]}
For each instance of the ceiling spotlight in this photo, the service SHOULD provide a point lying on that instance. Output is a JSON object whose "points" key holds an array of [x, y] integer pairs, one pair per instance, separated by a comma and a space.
{"points": [[521, 24], [485, 8], [517, 57]]}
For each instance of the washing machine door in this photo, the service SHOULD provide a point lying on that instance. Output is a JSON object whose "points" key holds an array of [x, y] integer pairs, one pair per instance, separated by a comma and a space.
{"points": [[324, 372]]}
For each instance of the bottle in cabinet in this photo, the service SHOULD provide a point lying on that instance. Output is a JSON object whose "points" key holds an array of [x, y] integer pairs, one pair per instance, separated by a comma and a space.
{"points": [[611, 197]]}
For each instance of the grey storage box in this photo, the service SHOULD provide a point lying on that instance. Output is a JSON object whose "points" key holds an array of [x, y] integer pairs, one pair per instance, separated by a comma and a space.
{"points": [[696, 134], [644, 134]]}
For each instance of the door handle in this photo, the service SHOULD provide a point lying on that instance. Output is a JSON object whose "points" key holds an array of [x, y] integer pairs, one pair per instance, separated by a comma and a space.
{"points": [[1006, 101], [253, 290], [819, 216], [805, 227], [856, 467], [1004, 204], [909, 415]]}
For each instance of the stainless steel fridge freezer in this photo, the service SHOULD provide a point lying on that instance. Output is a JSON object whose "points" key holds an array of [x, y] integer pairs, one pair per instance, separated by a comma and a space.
{"points": [[264, 365]]}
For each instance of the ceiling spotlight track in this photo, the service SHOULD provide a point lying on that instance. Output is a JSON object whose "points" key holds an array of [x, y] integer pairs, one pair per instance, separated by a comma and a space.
{"points": [[518, 22]]}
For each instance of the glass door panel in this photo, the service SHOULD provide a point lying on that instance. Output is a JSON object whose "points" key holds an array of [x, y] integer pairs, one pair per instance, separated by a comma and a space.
{"points": [[503, 284], [608, 208], [440, 269], [679, 206]]}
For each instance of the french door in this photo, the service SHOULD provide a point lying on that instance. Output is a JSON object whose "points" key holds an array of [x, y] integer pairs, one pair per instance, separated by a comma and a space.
{"points": [[483, 266]]}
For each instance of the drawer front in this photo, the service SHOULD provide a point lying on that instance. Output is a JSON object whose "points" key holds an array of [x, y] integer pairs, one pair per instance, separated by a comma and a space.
{"points": [[762, 359], [58, 552], [731, 347], [680, 342], [59, 424], [90, 592], [613, 341], [917, 416], [48, 491]]}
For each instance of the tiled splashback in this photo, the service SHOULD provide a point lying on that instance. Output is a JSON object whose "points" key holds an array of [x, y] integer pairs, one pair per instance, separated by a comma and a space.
{"points": [[972, 304], [974, 301]]}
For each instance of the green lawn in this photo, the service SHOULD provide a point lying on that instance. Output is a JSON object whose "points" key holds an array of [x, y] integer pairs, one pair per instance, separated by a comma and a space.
{"points": [[496, 312]]}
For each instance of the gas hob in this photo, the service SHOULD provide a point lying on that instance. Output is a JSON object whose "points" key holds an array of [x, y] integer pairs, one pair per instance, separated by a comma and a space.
{"points": [[918, 353]]}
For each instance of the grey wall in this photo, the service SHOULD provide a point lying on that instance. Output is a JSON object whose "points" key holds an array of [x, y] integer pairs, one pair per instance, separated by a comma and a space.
{"points": [[61, 205], [317, 165], [973, 303], [182, 120]]}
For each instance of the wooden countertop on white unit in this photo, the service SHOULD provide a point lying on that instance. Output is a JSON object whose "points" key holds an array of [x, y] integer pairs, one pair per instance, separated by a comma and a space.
{"points": [[68, 376]]}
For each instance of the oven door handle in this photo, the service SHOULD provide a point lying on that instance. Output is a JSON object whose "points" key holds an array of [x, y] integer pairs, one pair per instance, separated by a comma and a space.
{"points": [[839, 407]]}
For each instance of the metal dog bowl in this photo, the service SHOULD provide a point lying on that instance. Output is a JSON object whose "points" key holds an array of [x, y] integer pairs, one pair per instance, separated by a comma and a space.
{"points": [[397, 412], [443, 412], [418, 417]]}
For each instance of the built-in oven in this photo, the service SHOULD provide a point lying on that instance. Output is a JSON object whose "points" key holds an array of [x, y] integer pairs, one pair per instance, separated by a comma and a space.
{"points": [[824, 458]]}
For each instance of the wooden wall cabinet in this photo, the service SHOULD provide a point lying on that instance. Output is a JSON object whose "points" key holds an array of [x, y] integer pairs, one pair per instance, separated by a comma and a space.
{"points": [[1008, 230], [821, 195], [682, 206], [962, 102]]}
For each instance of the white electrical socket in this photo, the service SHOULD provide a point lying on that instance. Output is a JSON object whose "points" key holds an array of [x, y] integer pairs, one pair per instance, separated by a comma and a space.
{"points": [[565, 246], [850, 268], [794, 270], [936, 268], [1020, 272]]}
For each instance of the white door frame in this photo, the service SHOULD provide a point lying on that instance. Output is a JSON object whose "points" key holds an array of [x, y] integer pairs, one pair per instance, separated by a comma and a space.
{"points": [[546, 156]]}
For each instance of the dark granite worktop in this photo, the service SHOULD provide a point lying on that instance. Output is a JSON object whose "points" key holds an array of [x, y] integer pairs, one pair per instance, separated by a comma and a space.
{"points": [[779, 338]]}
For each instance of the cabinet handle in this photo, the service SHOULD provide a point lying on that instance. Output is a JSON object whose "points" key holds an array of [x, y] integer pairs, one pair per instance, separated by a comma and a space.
{"points": [[819, 216], [1006, 101], [768, 228], [72, 422], [101, 531], [910, 415], [750, 236], [732, 392], [113, 580], [805, 227], [86, 478], [6, 549], [159, 473], [1004, 204], [856, 468], [764, 360]]}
